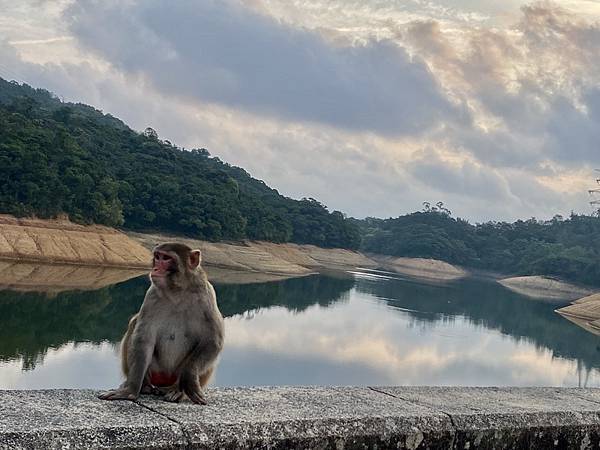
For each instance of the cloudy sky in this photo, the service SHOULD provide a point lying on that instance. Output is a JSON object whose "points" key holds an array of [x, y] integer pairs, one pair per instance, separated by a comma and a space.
{"points": [[370, 106]]}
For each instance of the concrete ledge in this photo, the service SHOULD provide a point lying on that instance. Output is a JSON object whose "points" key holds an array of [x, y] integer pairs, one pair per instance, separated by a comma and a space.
{"points": [[307, 417]]}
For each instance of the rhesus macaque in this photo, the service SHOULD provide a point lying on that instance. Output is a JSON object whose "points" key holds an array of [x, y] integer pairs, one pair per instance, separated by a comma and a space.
{"points": [[171, 345]]}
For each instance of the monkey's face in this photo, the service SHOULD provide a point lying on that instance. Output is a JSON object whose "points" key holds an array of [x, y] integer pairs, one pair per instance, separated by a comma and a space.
{"points": [[164, 266]]}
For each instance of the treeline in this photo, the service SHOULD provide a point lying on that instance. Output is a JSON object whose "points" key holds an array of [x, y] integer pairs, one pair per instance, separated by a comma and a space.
{"points": [[568, 248], [64, 158]]}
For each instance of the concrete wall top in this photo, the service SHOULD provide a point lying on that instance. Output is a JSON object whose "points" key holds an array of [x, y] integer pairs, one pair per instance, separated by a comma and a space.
{"points": [[307, 417]]}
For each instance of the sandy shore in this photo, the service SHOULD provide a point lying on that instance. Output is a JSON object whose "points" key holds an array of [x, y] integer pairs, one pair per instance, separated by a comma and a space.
{"points": [[545, 288], [58, 255], [584, 312], [298, 260], [430, 269], [52, 253], [63, 242]]}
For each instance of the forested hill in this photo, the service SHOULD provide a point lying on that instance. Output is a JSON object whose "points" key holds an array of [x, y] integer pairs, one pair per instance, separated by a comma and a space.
{"points": [[64, 158], [568, 248]]}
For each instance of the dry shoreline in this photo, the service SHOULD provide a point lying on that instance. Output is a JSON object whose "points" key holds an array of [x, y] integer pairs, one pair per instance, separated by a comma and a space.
{"points": [[69, 246], [59, 241], [545, 288], [293, 260], [33, 251]]}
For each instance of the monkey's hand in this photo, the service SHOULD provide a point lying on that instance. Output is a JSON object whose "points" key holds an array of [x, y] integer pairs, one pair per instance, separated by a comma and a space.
{"points": [[122, 393]]}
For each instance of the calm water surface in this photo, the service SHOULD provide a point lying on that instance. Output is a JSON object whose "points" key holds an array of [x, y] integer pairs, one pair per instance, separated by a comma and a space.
{"points": [[342, 329]]}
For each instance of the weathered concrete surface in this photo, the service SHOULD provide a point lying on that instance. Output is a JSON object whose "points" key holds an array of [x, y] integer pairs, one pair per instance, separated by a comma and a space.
{"points": [[506, 418], [308, 417], [72, 419]]}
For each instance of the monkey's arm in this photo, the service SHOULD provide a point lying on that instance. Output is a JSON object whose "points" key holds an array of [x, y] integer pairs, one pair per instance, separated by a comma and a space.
{"points": [[139, 354]]}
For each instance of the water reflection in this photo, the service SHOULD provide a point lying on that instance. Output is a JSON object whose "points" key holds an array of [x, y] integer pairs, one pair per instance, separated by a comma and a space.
{"points": [[335, 329], [492, 306], [31, 323], [53, 278]]}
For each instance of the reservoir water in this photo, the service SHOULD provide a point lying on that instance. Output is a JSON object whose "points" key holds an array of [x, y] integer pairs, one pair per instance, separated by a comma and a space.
{"points": [[359, 328]]}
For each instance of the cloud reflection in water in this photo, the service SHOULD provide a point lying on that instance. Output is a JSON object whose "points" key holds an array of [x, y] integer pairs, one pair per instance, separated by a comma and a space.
{"points": [[315, 330], [364, 341]]}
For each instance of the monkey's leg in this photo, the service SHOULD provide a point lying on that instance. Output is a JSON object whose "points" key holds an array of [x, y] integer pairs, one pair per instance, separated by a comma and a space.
{"points": [[148, 387], [194, 367], [204, 378]]}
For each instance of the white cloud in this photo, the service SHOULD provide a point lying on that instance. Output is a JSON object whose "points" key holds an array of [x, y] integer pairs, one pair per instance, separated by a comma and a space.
{"points": [[369, 115], [359, 341]]}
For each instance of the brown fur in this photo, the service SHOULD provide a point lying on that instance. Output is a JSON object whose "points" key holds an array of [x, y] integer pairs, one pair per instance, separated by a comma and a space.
{"points": [[178, 331]]}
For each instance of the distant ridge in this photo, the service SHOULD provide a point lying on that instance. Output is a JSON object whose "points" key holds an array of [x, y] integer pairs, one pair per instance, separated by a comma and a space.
{"points": [[65, 158]]}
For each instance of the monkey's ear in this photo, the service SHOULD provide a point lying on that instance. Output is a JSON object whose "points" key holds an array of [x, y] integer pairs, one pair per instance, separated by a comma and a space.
{"points": [[195, 258]]}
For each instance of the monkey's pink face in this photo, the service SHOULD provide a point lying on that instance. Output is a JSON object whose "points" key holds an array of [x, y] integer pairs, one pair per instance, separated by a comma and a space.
{"points": [[163, 264]]}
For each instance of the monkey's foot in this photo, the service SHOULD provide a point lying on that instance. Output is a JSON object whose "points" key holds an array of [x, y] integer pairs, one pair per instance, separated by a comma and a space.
{"points": [[175, 395], [197, 397], [118, 394], [150, 389]]}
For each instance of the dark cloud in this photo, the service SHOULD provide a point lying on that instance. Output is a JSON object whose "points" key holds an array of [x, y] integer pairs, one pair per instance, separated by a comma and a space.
{"points": [[222, 76], [224, 53], [465, 178]]}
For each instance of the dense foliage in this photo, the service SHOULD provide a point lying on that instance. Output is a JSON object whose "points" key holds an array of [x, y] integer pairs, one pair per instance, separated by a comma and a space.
{"points": [[63, 158], [567, 248]]}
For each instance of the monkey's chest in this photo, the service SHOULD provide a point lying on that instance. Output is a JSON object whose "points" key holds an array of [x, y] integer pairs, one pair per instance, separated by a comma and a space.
{"points": [[171, 346], [173, 342]]}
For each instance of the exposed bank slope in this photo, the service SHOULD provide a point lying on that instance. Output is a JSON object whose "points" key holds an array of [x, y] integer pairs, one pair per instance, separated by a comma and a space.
{"points": [[298, 260], [61, 241], [266, 257], [545, 288]]}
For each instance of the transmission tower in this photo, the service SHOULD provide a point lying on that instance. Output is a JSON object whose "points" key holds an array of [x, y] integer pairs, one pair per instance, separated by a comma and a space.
{"points": [[595, 193]]}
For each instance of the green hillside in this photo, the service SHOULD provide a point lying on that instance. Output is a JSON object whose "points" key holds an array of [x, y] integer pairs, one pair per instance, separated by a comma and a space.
{"points": [[58, 157], [568, 248]]}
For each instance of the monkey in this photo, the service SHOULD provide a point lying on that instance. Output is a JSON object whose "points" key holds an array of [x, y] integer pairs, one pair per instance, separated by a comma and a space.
{"points": [[171, 345]]}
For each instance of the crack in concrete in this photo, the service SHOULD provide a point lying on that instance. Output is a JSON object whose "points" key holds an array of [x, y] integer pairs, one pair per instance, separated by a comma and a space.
{"points": [[187, 438], [384, 393], [587, 399], [452, 423]]}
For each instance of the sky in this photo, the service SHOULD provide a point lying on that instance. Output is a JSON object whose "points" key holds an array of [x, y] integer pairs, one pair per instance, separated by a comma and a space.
{"points": [[370, 106]]}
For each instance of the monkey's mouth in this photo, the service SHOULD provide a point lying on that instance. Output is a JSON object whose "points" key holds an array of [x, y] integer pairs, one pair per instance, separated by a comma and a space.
{"points": [[157, 273]]}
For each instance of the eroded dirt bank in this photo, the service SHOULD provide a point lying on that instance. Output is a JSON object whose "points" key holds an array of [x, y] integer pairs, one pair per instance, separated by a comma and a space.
{"points": [[545, 288], [297, 260], [58, 254], [61, 241]]}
